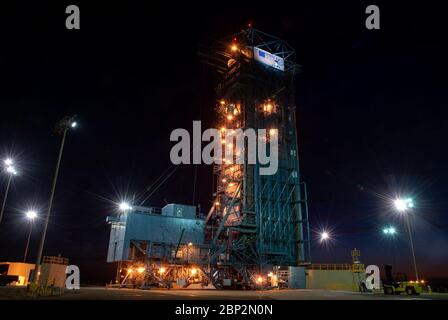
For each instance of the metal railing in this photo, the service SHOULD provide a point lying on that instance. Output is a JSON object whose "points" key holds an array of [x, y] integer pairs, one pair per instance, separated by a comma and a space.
{"points": [[329, 266], [55, 260]]}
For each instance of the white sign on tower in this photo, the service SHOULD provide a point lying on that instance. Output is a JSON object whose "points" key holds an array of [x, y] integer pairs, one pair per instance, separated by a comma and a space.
{"points": [[269, 59]]}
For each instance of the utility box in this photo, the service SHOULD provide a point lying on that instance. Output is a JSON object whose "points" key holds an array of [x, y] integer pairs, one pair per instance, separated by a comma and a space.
{"points": [[227, 282], [181, 282], [297, 278]]}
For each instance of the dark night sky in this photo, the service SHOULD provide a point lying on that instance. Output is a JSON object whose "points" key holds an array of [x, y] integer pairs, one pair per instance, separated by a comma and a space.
{"points": [[371, 110]]}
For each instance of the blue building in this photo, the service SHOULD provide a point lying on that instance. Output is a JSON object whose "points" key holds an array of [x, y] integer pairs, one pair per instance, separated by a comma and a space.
{"points": [[152, 233]]}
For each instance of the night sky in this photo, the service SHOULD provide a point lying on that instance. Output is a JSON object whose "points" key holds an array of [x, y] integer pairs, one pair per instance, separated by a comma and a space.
{"points": [[371, 118]]}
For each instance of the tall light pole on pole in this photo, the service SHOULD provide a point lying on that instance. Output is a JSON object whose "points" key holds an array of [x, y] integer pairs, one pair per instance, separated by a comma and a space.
{"points": [[403, 206], [123, 207], [190, 244], [9, 168], [391, 232], [30, 215], [324, 236], [61, 128]]}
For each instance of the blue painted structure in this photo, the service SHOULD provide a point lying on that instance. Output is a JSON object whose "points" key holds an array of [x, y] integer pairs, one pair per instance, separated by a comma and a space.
{"points": [[155, 231]]}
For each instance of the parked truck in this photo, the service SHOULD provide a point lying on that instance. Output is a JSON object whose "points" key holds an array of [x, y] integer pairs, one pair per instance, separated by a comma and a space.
{"points": [[400, 284]]}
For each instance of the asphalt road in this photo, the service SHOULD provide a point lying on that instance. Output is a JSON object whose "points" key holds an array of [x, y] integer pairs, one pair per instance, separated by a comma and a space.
{"points": [[101, 293]]}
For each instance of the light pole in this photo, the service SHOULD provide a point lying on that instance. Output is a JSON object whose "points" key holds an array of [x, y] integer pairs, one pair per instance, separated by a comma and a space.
{"points": [[324, 236], [61, 128], [403, 206], [190, 244], [391, 232], [30, 215], [9, 168], [122, 207]]}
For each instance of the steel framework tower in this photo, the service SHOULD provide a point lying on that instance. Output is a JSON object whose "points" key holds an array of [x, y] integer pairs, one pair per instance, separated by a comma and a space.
{"points": [[257, 221]]}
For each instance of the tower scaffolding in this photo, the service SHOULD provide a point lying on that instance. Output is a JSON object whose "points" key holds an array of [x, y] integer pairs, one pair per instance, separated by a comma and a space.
{"points": [[257, 221]]}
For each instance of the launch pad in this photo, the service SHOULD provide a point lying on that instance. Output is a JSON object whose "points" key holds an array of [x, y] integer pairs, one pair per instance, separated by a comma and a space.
{"points": [[258, 223]]}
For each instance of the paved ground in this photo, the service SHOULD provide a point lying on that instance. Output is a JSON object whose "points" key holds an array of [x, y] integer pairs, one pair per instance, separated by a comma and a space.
{"points": [[101, 293]]}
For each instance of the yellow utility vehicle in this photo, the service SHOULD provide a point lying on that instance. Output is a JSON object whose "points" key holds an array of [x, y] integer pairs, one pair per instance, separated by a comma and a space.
{"points": [[400, 284]]}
